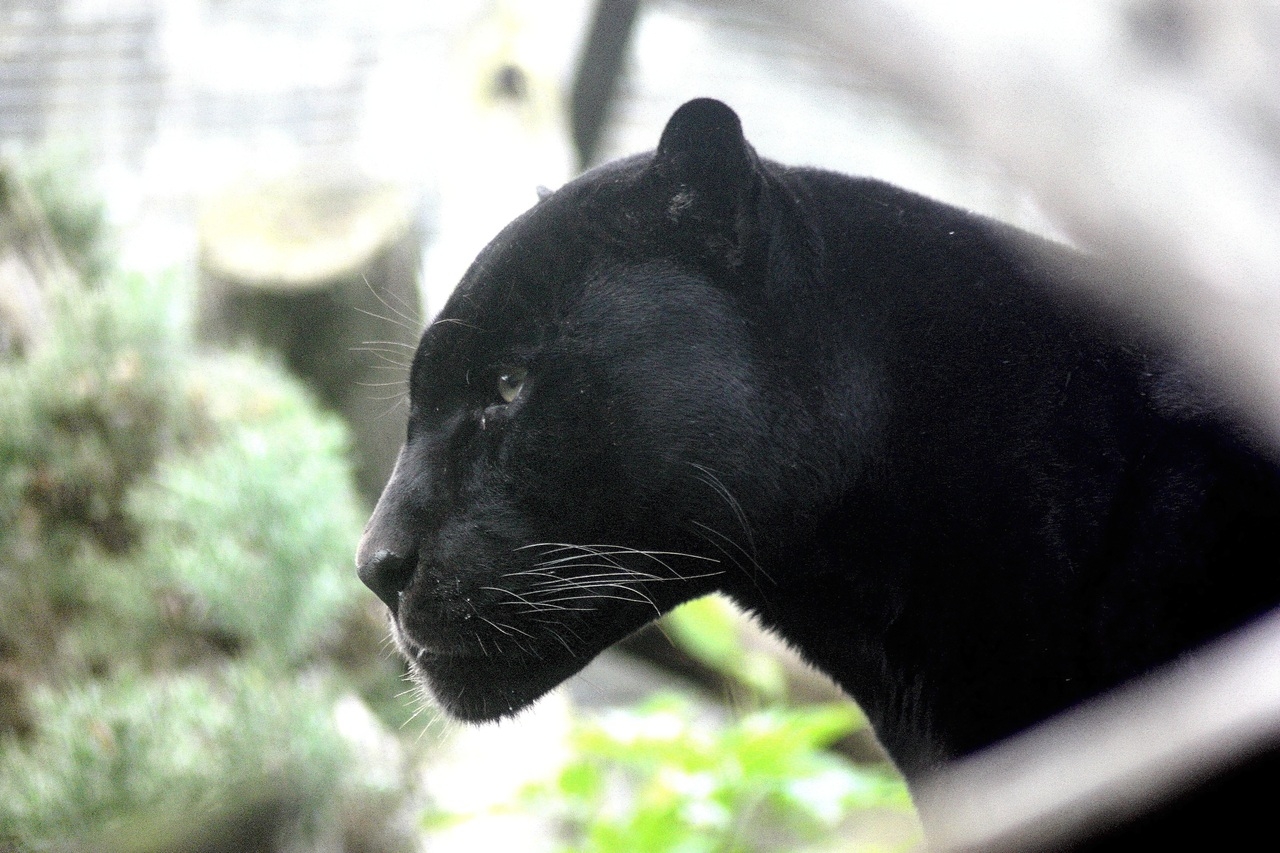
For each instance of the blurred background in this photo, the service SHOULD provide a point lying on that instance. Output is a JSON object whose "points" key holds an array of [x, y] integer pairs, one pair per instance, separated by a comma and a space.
{"points": [[223, 224]]}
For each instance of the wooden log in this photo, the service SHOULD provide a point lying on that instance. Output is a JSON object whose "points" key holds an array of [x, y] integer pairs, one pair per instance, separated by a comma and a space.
{"points": [[321, 270]]}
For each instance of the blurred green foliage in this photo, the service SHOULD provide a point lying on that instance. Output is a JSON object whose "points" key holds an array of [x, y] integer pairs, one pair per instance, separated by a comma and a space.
{"points": [[659, 778], [74, 212], [708, 628], [184, 495], [265, 513], [119, 760], [176, 532]]}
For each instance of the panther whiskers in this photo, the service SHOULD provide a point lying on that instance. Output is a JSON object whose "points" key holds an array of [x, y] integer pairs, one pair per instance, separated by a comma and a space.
{"points": [[534, 607], [564, 579], [384, 351], [389, 355], [410, 326], [607, 552], [423, 703], [587, 579], [706, 531], [551, 626], [507, 630], [717, 485], [597, 596], [407, 312]]}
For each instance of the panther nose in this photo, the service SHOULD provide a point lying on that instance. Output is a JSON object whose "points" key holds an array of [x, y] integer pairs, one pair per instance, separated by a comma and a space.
{"points": [[387, 574]]}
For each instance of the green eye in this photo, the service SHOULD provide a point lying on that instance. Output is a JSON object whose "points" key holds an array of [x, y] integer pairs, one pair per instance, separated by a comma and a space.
{"points": [[510, 381]]}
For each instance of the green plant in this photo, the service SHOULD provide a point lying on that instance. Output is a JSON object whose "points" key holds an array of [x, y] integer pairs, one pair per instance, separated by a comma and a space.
{"points": [[176, 531], [709, 629], [76, 215], [142, 755], [659, 779], [178, 493], [82, 420], [257, 530]]}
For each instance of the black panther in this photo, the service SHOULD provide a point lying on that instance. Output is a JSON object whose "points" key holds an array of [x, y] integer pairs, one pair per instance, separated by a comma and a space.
{"points": [[904, 436]]}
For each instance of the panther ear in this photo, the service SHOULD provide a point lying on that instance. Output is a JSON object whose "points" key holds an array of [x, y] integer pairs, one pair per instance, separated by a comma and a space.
{"points": [[708, 174], [703, 144]]}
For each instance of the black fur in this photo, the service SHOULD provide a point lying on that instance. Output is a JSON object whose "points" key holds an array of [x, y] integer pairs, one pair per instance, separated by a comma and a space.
{"points": [[896, 431]]}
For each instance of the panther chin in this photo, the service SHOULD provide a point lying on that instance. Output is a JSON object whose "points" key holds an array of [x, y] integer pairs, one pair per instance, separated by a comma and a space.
{"points": [[479, 688]]}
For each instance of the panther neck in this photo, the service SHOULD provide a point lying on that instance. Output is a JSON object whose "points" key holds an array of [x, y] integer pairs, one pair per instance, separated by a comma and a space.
{"points": [[942, 662]]}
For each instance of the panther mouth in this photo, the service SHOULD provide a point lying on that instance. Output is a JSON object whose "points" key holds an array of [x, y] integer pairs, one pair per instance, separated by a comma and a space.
{"points": [[486, 639], [478, 665], [482, 687]]}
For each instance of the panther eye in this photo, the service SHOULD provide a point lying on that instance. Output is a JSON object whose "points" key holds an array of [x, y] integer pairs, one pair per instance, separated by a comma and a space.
{"points": [[510, 381]]}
